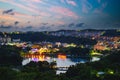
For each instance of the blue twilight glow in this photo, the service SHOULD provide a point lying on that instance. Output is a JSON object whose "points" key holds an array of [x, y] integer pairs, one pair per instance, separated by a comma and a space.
{"points": [[37, 15]]}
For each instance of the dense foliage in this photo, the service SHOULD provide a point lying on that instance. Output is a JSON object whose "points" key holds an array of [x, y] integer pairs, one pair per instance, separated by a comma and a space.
{"points": [[76, 51], [108, 68], [10, 55], [111, 33], [39, 37]]}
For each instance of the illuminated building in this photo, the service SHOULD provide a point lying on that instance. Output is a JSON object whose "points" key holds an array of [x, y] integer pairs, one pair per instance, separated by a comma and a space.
{"points": [[16, 40], [35, 57], [5, 39], [37, 46], [58, 44], [99, 47]]}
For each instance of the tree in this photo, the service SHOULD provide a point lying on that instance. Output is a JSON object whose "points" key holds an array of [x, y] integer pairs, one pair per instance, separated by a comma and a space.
{"points": [[7, 74], [10, 55]]}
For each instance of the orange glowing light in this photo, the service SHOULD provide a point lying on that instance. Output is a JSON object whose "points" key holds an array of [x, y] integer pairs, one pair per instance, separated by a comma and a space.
{"points": [[61, 56], [41, 57], [37, 56]]}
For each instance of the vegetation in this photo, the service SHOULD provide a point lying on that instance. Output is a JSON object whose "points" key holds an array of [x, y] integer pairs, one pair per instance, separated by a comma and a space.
{"points": [[39, 37], [10, 55], [75, 51], [112, 33], [108, 68]]}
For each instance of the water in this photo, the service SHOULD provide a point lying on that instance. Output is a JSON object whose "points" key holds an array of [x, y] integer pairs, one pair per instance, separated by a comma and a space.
{"points": [[95, 59], [61, 60]]}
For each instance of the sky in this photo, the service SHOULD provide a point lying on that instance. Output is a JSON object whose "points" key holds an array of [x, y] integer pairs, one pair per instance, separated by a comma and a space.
{"points": [[50, 15]]}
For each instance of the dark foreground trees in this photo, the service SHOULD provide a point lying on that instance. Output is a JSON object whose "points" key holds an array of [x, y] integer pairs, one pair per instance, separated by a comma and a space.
{"points": [[10, 55], [108, 68]]}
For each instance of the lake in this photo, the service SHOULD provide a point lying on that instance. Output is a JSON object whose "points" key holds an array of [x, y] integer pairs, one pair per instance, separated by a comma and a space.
{"points": [[62, 60]]}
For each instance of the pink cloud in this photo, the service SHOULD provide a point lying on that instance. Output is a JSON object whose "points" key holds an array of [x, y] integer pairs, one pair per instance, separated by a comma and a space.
{"points": [[71, 2], [58, 17], [45, 14], [36, 1], [7, 20], [60, 22], [6, 17], [62, 1], [20, 17], [29, 7], [20, 6], [64, 11]]}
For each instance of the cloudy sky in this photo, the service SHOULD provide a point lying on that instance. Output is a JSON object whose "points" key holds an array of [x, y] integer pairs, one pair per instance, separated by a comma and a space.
{"points": [[40, 15]]}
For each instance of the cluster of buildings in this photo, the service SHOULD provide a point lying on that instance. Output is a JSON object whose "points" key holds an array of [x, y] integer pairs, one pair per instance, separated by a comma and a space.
{"points": [[103, 42], [5, 39], [48, 47], [75, 33], [8, 40], [107, 43]]}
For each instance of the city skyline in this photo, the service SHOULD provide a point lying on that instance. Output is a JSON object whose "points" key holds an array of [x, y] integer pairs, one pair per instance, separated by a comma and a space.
{"points": [[40, 15]]}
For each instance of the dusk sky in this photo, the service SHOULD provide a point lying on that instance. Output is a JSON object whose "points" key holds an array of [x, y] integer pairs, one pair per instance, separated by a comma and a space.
{"points": [[41, 15]]}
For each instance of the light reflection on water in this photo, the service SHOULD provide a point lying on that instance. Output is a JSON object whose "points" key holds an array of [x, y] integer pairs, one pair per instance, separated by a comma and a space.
{"points": [[62, 60]]}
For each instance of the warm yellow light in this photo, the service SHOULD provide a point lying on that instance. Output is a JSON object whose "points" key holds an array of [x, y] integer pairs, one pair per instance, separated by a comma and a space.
{"points": [[111, 72], [95, 53], [63, 57]]}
